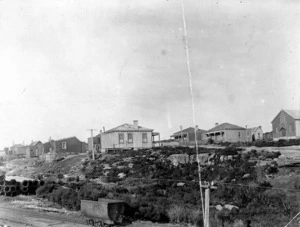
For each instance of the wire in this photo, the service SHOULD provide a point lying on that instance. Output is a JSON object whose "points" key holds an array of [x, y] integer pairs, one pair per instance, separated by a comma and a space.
{"points": [[292, 220], [193, 106]]}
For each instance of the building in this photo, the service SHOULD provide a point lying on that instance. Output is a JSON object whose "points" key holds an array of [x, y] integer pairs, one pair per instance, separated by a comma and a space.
{"points": [[227, 132], [18, 150], [126, 136], [187, 136], [254, 134], [66, 146], [286, 125], [36, 149]]}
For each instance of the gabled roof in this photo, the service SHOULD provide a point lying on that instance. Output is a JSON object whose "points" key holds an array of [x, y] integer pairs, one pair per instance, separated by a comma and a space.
{"points": [[128, 127], [72, 137], [34, 143], [252, 130], [226, 126], [189, 130], [293, 113]]}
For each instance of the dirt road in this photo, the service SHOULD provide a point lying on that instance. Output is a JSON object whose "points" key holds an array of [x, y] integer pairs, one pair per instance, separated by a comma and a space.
{"points": [[17, 217]]}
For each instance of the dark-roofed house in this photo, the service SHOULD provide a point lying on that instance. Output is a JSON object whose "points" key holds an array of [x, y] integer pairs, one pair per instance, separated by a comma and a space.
{"points": [[70, 145], [227, 132], [254, 134], [286, 125], [127, 136], [187, 136]]}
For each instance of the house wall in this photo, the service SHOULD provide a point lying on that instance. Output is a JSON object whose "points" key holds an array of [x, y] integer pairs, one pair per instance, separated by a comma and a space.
{"points": [[111, 140], [30, 153], [259, 134], [73, 146], [288, 124], [38, 149], [97, 141], [20, 150], [233, 135], [297, 126]]}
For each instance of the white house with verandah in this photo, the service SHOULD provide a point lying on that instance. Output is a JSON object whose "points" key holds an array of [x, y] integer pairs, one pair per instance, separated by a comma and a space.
{"points": [[127, 136]]}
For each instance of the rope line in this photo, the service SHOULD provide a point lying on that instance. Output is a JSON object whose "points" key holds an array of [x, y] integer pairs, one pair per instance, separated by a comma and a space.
{"points": [[193, 106]]}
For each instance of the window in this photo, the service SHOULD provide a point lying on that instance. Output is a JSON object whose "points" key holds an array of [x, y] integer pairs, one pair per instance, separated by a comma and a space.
{"points": [[130, 138], [282, 118], [239, 134], [121, 138], [258, 134], [144, 137], [64, 145]]}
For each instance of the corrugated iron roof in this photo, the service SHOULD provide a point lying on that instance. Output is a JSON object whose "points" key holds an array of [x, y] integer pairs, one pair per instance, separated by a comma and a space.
{"points": [[189, 130], [128, 127], [293, 113], [226, 126], [34, 143]]}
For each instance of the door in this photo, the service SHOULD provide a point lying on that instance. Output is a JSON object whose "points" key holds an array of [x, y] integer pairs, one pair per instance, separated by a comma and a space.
{"points": [[283, 132]]}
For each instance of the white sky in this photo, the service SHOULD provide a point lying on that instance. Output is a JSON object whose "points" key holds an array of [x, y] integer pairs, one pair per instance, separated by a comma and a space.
{"points": [[67, 66]]}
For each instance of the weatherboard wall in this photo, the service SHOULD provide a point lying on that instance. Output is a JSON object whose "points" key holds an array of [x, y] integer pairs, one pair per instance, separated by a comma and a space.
{"points": [[284, 126], [111, 140]]}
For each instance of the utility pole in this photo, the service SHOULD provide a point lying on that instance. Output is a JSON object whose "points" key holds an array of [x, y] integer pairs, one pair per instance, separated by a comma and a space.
{"points": [[93, 151], [181, 133], [207, 188]]}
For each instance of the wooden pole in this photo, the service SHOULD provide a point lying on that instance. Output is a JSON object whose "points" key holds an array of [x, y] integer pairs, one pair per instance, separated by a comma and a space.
{"points": [[207, 188], [207, 194]]}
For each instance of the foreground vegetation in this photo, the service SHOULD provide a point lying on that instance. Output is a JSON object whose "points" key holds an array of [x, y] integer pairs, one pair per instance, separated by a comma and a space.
{"points": [[156, 190]]}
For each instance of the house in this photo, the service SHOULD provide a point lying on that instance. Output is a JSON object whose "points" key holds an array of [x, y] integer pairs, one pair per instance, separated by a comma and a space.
{"points": [[70, 145], [187, 136], [254, 134], [36, 149], [18, 150], [126, 136], [227, 132], [286, 125]]}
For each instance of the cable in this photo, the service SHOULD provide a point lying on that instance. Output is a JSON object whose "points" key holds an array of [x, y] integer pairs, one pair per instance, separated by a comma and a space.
{"points": [[193, 106], [292, 220]]}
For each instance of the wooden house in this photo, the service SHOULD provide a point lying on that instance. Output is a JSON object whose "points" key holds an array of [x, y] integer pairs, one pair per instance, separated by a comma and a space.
{"points": [[187, 136], [286, 125], [127, 136], [227, 132], [254, 134]]}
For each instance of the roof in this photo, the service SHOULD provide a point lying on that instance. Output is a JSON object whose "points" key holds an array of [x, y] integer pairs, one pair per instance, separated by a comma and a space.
{"points": [[34, 143], [293, 113], [189, 130], [128, 127], [72, 137], [226, 126], [252, 130]]}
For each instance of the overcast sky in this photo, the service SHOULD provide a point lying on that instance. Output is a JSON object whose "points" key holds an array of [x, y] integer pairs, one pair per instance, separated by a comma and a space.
{"points": [[67, 66]]}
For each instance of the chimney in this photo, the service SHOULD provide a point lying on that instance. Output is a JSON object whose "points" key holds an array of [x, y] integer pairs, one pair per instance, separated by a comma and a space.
{"points": [[196, 127], [136, 123], [103, 129], [100, 132], [216, 124]]}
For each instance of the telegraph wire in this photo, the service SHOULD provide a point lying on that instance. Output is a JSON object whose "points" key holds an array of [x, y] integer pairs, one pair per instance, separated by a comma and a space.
{"points": [[193, 105]]}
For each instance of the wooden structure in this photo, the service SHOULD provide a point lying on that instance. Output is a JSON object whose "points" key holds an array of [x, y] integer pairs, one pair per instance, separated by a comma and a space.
{"points": [[286, 125], [227, 132], [109, 211]]}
